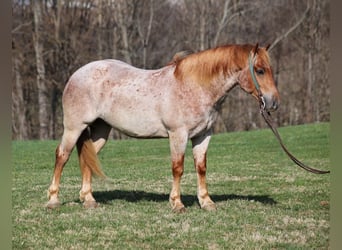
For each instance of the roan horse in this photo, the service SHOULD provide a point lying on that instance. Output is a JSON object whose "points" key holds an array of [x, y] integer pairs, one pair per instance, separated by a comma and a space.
{"points": [[179, 101]]}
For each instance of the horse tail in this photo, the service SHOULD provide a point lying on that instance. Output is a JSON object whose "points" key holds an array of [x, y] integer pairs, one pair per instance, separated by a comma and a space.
{"points": [[87, 154]]}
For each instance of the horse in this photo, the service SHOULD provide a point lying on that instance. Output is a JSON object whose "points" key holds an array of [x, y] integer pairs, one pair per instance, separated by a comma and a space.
{"points": [[179, 101]]}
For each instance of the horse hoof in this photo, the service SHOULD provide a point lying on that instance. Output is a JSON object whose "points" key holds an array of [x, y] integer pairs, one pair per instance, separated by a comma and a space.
{"points": [[209, 207], [90, 204], [179, 210], [53, 204]]}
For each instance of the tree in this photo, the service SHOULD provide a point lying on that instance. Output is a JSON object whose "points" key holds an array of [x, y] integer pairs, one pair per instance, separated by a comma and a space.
{"points": [[51, 39], [43, 97], [124, 17], [19, 126], [145, 35]]}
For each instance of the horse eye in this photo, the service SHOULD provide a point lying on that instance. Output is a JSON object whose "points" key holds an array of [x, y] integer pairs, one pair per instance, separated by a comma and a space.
{"points": [[260, 71]]}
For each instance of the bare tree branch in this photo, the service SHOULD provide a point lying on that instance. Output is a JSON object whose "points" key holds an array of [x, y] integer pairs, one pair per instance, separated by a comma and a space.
{"points": [[291, 29], [16, 29]]}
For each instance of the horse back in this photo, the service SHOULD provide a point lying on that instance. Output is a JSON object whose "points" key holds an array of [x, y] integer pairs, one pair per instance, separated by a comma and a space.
{"points": [[127, 98]]}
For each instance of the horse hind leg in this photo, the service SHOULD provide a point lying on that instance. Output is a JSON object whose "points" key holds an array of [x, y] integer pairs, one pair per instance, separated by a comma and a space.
{"points": [[88, 145], [63, 152]]}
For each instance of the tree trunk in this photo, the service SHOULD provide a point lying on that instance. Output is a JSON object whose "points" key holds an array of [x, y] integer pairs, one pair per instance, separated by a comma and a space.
{"points": [[115, 42], [99, 31], [54, 119], [202, 27], [19, 127], [145, 36], [308, 103], [43, 99], [123, 28], [222, 23]]}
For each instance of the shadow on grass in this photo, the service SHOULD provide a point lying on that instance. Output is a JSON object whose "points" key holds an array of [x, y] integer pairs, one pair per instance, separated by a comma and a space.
{"points": [[188, 200]]}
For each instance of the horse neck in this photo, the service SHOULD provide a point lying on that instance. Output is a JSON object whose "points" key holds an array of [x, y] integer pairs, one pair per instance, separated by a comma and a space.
{"points": [[207, 67], [216, 70]]}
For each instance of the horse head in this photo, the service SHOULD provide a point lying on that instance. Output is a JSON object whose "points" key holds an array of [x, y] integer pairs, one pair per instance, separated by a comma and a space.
{"points": [[258, 78]]}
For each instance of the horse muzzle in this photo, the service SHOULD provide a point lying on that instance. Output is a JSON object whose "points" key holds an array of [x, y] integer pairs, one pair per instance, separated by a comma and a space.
{"points": [[271, 102]]}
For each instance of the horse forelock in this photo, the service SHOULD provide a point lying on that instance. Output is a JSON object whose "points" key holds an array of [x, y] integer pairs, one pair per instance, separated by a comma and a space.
{"points": [[263, 58], [204, 66]]}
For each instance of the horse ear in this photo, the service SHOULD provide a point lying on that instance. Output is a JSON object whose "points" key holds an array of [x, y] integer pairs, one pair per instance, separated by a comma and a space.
{"points": [[268, 46], [255, 50]]}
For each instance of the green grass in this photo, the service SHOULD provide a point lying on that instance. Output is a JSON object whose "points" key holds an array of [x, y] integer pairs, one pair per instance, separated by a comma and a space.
{"points": [[264, 201]]}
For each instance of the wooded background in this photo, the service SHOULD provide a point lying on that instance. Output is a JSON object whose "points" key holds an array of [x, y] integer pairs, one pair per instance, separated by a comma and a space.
{"points": [[53, 38]]}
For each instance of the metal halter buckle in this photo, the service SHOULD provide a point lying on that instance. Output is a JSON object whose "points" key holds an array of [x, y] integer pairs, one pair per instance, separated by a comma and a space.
{"points": [[262, 102]]}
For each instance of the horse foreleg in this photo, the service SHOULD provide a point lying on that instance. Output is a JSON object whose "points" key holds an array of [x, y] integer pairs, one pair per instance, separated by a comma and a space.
{"points": [[178, 143], [199, 149]]}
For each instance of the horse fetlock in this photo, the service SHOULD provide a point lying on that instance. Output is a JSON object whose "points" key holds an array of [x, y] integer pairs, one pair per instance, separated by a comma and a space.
{"points": [[88, 200], [52, 195], [52, 192], [86, 196]]}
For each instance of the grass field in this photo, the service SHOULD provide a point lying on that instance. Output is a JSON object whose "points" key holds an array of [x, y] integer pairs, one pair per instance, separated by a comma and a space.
{"points": [[264, 201]]}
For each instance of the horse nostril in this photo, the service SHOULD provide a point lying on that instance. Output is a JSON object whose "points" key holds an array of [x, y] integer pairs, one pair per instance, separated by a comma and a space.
{"points": [[272, 102], [275, 105]]}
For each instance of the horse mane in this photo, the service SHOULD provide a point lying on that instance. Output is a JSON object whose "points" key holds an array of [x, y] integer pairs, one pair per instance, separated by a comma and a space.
{"points": [[208, 64], [179, 56]]}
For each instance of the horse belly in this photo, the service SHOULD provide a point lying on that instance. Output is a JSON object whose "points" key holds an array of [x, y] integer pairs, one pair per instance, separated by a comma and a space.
{"points": [[136, 122]]}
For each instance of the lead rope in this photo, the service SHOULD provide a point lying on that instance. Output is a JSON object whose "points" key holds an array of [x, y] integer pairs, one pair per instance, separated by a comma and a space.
{"points": [[270, 123], [268, 119]]}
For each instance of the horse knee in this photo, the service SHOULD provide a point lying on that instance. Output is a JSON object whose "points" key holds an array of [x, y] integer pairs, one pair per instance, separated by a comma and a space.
{"points": [[201, 169], [178, 167], [201, 166], [177, 170]]}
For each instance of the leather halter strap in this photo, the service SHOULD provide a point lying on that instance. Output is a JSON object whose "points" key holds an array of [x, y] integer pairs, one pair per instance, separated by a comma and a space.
{"points": [[251, 60], [268, 119]]}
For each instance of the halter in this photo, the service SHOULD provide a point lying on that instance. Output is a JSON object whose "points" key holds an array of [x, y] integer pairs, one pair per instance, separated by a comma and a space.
{"points": [[268, 119], [251, 60]]}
